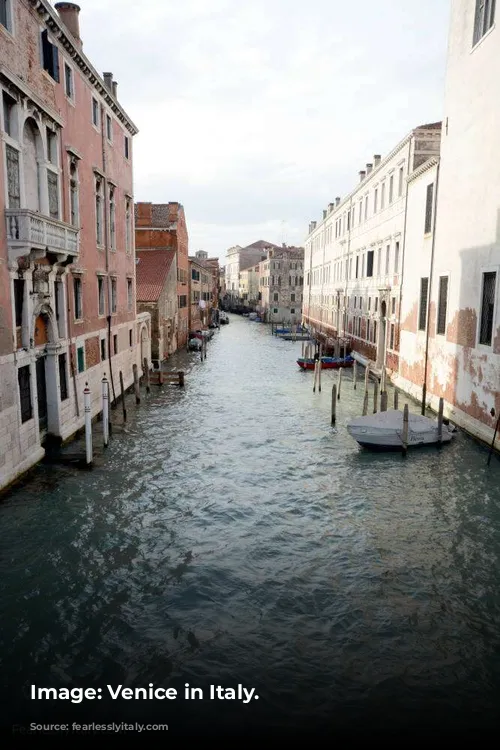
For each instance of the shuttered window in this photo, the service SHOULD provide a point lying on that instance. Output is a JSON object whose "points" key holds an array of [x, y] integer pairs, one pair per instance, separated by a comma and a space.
{"points": [[63, 378], [484, 18], [422, 316], [24, 380], [442, 305], [428, 208], [487, 308]]}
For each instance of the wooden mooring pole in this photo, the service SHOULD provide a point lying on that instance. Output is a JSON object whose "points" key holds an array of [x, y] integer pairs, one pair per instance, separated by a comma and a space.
{"points": [[334, 404], [383, 401], [492, 446], [146, 374], [320, 367], [123, 397], [137, 389], [405, 430], [375, 396], [396, 399], [440, 421], [354, 374], [315, 375], [181, 379], [340, 382]]}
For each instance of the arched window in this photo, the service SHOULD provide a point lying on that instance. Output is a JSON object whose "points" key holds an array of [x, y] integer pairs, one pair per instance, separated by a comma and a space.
{"points": [[74, 194], [99, 209], [112, 218], [31, 152]]}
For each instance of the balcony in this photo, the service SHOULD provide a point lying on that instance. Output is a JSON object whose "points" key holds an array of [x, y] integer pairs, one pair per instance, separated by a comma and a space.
{"points": [[31, 233]]}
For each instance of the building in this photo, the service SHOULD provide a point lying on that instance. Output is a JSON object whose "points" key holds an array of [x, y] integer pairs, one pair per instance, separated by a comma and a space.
{"points": [[67, 263], [156, 274], [163, 226], [281, 279], [238, 259], [249, 287], [450, 345], [200, 292], [354, 255]]}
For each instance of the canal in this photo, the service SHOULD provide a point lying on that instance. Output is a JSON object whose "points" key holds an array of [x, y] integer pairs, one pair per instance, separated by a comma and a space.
{"points": [[229, 537]]}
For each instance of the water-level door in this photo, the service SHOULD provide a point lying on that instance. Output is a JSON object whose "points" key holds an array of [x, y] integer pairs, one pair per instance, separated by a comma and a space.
{"points": [[41, 388]]}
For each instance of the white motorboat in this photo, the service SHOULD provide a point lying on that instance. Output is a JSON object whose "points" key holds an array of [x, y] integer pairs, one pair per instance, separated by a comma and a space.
{"points": [[384, 431]]}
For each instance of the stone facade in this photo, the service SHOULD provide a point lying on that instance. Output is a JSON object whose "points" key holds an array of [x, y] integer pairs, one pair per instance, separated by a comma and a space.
{"points": [[281, 279], [67, 265], [239, 258], [200, 293], [354, 256]]}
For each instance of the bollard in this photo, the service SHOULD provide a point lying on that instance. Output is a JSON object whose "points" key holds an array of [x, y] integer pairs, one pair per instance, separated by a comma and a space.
{"points": [[123, 397], [146, 374], [88, 425], [160, 377], [383, 401], [396, 399], [354, 374], [365, 404], [334, 403], [382, 380], [375, 396], [405, 429], [105, 410], [181, 379], [136, 384], [340, 383], [367, 377], [440, 420]]}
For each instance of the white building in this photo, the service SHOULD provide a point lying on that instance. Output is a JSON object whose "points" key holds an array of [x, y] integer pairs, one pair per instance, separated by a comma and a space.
{"points": [[459, 338], [354, 256], [238, 259]]}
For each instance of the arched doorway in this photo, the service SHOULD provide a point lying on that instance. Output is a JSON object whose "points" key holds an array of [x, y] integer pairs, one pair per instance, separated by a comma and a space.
{"points": [[144, 344], [43, 333], [382, 334], [31, 153]]}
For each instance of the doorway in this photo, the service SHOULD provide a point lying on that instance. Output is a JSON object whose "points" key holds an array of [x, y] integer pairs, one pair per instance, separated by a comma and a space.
{"points": [[41, 388]]}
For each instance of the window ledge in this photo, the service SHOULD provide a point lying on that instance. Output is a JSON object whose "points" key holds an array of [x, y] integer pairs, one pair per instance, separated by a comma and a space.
{"points": [[7, 32]]}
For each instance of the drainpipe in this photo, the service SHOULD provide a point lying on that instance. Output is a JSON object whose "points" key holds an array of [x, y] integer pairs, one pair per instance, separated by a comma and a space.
{"points": [[403, 252], [106, 246], [429, 292]]}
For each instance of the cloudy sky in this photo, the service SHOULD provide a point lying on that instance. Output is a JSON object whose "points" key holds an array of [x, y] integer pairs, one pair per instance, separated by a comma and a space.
{"points": [[255, 114]]}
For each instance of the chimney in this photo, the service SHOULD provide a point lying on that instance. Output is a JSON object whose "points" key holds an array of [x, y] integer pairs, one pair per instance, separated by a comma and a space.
{"points": [[325, 212], [377, 159], [115, 87], [108, 81], [337, 201], [369, 168], [331, 206], [68, 13], [362, 175]]}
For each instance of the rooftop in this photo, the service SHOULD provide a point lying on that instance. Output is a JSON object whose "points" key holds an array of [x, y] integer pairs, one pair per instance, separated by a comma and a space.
{"points": [[151, 273]]}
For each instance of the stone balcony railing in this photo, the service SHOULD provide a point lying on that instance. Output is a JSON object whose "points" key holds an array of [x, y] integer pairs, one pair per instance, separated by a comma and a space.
{"points": [[32, 233]]}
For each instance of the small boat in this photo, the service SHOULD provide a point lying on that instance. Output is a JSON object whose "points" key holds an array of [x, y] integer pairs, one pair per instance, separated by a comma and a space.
{"points": [[327, 363], [223, 318], [384, 431], [195, 344]]}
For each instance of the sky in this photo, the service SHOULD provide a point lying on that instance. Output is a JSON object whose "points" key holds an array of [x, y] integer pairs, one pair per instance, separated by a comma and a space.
{"points": [[255, 114]]}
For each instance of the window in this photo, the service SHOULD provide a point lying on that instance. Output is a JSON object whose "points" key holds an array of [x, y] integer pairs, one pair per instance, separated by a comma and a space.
{"points": [[442, 305], [382, 196], [292, 310], [112, 219], [113, 295], [80, 359], [103, 350], [74, 199], [99, 210], [128, 225], [19, 300], [95, 112], [428, 208], [422, 316], [24, 380], [396, 258], [487, 308], [182, 300], [275, 297], [115, 343], [484, 19], [393, 306], [292, 298], [375, 200], [369, 303], [129, 294], [50, 56], [357, 266], [100, 293], [77, 294], [400, 182], [53, 190], [127, 147], [379, 260], [5, 14], [275, 310], [13, 182], [374, 331], [369, 263], [368, 329], [195, 275], [63, 377], [366, 208], [391, 188], [130, 337], [9, 105], [387, 259], [391, 337], [68, 82], [109, 129], [376, 304]]}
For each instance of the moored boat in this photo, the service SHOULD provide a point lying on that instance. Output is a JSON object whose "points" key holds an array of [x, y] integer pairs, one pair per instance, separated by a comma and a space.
{"points": [[384, 431], [327, 363]]}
